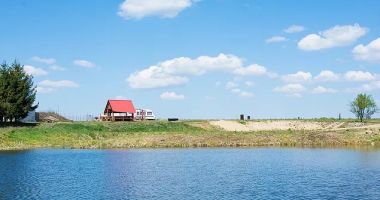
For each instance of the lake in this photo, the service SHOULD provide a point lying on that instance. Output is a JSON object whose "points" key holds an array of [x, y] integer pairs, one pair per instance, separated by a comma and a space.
{"points": [[235, 173]]}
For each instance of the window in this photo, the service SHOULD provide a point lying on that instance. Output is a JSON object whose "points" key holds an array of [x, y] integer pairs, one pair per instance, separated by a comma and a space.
{"points": [[149, 113]]}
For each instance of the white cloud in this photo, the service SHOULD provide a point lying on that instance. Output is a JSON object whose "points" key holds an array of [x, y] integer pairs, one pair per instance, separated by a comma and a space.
{"points": [[119, 97], [254, 69], [154, 77], [58, 84], [230, 85], [334, 37], [171, 96], [47, 86], [245, 94], [235, 90], [359, 76], [375, 85], [323, 90], [137, 9], [84, 63], [57, 68], [369, 53], [201, 65], [43, 90], [233, 87], [298, 77], [34, 71], [327, 75], [173, 72], [369, 87], [272, 75], [249, 83], [294, 29], [48, 61], [276, 39], [291, 89]]}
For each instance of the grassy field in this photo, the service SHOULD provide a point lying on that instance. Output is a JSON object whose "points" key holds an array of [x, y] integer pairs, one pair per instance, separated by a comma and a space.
{"points": [[158, 134]]}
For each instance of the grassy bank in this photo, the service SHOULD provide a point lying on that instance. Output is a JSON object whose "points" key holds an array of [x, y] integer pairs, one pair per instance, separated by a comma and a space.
{"points": [[170, 134]]}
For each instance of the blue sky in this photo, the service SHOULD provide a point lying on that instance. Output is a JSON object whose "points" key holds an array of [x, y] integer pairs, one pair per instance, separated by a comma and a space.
{"points": [[197, 58]]}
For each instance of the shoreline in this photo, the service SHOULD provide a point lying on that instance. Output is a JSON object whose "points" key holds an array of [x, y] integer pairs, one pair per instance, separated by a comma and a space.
{"points": [[183, 134], [353, 148]]}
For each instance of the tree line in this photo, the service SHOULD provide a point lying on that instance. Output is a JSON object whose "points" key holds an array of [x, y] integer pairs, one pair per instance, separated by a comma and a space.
{"points": [[17, 92]]}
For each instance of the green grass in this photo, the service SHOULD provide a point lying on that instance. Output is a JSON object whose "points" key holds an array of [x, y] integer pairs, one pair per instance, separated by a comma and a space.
{"points": [[167, 134]]}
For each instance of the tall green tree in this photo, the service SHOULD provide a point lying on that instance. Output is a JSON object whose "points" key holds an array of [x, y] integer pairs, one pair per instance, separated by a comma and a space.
{"points": [[4, 77], [17, 92], [363, 106]]}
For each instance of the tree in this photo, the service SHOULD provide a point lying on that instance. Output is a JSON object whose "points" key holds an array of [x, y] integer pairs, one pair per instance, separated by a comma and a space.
{"points": [[363, 106], [4, 77], [17, 93]]}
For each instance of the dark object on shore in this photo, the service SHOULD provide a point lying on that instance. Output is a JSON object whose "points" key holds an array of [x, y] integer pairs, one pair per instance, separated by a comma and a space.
{"points": [[242, 117], [248, 117], [172, 119]]}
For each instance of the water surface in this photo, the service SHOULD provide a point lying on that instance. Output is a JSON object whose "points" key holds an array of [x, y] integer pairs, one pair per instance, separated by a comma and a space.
{"points": [[253, 173]]}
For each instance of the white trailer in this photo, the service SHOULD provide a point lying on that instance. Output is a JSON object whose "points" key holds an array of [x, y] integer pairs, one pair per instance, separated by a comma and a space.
{"points": [[144, 114]]}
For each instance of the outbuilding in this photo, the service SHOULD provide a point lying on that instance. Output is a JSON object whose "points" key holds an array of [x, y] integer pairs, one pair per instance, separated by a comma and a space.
{"points": [[119, 110]]}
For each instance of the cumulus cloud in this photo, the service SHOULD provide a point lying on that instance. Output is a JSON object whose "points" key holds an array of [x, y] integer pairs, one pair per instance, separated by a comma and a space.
{"points": [[48, 61], [369, 53], [276, 39], [294, 29], [175, 71], [47, 86], [291, 89], [84, 63], [359, 76], [298, 77], [254, 69], [327, 75], [154, 77], [137, 9], [34, 71], [171, 96], [323, 90], [334, 37]]}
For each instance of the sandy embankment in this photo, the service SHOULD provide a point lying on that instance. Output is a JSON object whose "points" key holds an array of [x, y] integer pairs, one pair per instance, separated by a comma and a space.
{"points": [[270, 125]]}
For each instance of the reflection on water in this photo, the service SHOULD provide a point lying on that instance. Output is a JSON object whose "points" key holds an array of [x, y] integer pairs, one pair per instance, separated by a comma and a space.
{"points": [[256, 173]]}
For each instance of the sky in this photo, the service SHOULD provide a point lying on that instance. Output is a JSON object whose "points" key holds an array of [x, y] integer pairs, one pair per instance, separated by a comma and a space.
{"points": [[197, 59]]}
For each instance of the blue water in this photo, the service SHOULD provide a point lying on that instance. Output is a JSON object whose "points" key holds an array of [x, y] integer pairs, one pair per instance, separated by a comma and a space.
{"points": [[256, 173]]}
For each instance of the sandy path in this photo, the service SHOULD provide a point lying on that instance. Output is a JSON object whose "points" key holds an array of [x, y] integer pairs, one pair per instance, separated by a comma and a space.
{"points": [[269, 125]]}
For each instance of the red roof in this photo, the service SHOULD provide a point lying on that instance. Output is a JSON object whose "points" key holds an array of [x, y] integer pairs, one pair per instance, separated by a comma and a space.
{"points": [[121, 106]]}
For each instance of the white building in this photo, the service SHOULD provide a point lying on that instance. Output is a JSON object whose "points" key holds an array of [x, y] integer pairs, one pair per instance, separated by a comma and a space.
{"points": [[144, 114]]}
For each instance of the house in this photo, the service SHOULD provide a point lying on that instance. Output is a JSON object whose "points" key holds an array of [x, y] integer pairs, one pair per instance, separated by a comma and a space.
{"points": [[118, 110]]}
